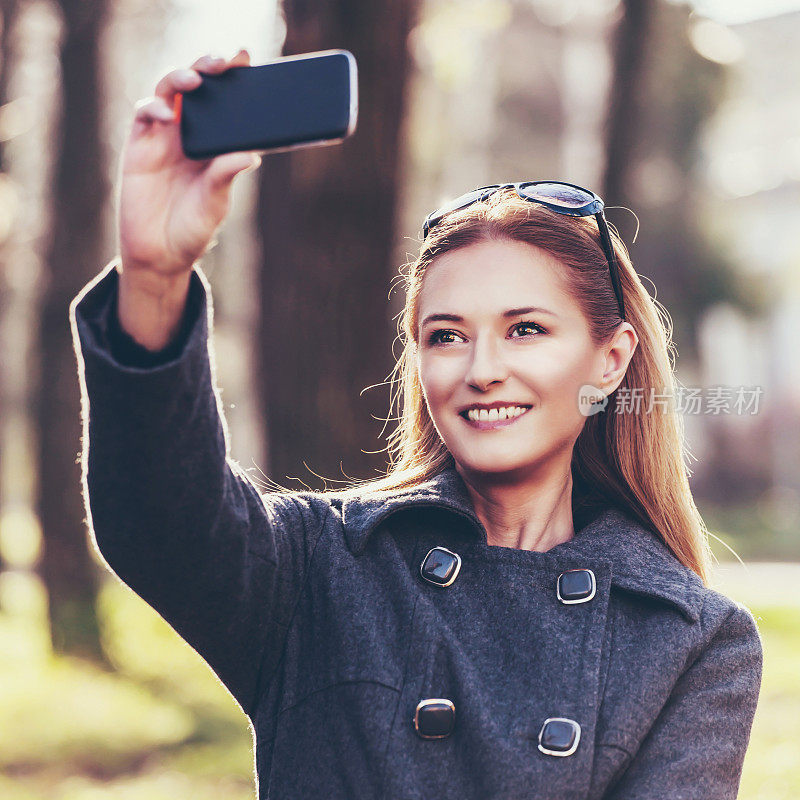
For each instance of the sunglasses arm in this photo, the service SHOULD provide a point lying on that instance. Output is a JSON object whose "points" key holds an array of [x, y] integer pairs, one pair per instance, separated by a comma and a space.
{"points": [[605, 237]]}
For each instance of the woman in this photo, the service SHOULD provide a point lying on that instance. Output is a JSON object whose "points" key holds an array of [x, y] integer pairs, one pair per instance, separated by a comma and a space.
{"points": [[518, 609]]}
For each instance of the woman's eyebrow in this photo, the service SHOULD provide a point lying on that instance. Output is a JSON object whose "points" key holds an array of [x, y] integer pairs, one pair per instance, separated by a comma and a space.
{"points": [[512, 312]]}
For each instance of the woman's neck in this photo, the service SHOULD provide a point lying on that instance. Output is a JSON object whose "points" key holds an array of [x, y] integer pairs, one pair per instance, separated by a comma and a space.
{"points": [[527, 515]]}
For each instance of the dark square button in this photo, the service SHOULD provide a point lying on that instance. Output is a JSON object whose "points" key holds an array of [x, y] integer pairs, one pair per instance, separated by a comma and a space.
{"points": [[559, 736], [440, 566], [576, 586], [435, 718]]}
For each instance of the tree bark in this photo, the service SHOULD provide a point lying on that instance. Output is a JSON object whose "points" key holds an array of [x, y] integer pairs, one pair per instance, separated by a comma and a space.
{"points": [[326, 222], [79, 196], [623, 123]]}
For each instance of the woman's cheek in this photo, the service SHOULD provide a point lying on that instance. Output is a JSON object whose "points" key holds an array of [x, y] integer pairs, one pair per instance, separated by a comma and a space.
{"points": [[438, 379]]}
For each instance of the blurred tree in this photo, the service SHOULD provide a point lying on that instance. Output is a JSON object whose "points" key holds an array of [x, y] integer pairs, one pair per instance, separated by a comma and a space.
{"points": [[78, 198], [9, 10], [326, 220], [631, 43], [662, 93]]}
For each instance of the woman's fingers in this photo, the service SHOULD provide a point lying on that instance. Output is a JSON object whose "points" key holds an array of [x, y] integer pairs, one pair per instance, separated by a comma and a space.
{"points": [[185, 80], [223, 169], [162, 106], [210, 63], [241, 59], [215, 64], [179, 80], [154, 109]]}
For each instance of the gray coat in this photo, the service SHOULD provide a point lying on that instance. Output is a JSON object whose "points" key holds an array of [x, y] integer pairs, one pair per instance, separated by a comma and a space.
{"points": [[314, 612]]}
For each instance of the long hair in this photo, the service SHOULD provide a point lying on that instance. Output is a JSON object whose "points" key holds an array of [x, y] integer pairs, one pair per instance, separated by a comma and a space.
{"points": [[633, 459]]}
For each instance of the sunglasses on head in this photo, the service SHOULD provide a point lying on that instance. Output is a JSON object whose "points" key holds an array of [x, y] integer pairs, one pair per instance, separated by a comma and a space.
{"points": [[563, 198]]}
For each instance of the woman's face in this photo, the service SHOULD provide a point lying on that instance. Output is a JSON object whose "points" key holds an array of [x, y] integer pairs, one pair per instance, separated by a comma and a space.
{"points": [[497, 329]]}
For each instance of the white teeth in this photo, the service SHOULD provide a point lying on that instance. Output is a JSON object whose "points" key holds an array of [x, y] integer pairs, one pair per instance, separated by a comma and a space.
{"points": [[495, 414]]}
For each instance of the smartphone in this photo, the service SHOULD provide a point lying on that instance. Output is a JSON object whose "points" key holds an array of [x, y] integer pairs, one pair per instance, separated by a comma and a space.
{"points": [[295, 101]]}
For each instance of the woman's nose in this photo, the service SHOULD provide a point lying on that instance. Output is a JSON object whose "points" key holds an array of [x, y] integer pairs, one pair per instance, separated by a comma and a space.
{"points": [[486, 366]]}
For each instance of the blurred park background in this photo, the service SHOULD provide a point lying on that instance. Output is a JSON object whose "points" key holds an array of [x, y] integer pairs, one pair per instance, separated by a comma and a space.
{"points": [[684, 113]]}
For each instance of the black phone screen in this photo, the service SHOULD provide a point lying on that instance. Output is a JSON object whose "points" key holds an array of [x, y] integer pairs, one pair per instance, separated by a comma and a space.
{"points": [[292, 102]]}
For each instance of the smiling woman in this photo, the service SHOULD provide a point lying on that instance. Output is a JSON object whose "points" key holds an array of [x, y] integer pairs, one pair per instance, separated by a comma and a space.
{"points": [[517, 609], [517, 466], [492, 268]]}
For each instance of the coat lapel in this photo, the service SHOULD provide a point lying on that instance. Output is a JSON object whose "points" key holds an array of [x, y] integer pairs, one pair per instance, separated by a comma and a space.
{"points": [[640, 561]]}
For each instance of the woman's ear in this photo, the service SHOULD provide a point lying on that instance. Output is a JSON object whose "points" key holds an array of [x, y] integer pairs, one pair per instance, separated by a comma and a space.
{"points": [[618, 354]]}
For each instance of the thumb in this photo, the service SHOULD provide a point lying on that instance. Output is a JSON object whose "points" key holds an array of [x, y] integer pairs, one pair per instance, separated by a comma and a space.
{"points": [[223, 169]]}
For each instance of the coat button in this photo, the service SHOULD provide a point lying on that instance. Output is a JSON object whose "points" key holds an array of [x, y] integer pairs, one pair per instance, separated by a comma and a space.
{"points": [[576, 586], [434, 718], [559, 736], [441, 566]]}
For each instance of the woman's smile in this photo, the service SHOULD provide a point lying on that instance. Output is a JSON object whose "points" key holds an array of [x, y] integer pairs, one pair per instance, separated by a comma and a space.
{"points": [[490, 419]]}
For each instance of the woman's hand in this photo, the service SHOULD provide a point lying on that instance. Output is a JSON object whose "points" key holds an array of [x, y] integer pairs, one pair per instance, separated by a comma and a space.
{"points": [[170, 205]]}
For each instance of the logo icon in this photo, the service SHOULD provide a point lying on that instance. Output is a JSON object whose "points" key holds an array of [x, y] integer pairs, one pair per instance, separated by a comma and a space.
{"points": [[591, 400]]}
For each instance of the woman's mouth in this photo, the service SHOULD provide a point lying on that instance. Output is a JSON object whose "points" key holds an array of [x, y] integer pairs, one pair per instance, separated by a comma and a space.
{"points": [[484, 419]]}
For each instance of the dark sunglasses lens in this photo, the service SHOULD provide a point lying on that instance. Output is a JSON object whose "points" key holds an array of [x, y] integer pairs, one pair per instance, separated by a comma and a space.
{"points": [[558, 194]]}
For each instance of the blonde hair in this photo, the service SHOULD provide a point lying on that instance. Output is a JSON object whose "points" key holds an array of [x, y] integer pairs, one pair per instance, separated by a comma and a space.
{"points": [[634, 460]]}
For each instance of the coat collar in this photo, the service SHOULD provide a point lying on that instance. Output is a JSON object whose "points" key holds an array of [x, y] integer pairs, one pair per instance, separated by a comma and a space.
{"points": [[640, 560]]}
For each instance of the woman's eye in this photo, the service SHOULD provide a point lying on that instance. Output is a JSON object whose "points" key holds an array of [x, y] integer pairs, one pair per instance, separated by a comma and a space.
{"points": [[437, 337], [529, 326], [444, 336]]}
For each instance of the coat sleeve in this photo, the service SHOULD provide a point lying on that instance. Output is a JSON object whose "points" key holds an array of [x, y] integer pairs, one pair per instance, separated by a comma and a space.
{"points": [[696, 748], [169, 512]]}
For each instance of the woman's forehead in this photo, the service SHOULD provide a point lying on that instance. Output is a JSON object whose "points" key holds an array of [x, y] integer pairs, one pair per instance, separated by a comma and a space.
{"points": [[492, 274]]}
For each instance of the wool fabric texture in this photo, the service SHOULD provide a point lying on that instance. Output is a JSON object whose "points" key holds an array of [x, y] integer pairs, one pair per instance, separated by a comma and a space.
{"points": [[311, 609]]}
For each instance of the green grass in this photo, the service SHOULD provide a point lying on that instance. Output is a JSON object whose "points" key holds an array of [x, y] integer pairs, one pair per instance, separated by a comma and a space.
{"points": [[772, 769], [161, 727]]}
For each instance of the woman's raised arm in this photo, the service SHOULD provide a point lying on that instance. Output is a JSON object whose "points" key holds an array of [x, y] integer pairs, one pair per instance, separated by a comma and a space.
{"points": [[171, 514]]}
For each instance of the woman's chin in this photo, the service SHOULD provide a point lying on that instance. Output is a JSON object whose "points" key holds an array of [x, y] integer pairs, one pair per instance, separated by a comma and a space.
{"points": [[488, 464]]}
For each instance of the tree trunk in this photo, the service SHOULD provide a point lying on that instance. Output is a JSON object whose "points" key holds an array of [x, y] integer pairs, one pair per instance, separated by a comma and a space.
{"points": [[662, 93], [79, 196], [624, 109], [9, 9], [326, 222]]}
